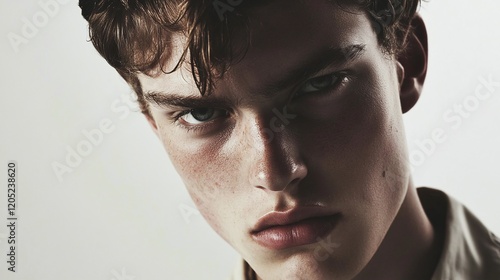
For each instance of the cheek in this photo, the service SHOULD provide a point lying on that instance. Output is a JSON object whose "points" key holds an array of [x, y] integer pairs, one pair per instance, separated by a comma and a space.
{"points": [[352, 126], [361, 131], [375, 151], [210, 177]]}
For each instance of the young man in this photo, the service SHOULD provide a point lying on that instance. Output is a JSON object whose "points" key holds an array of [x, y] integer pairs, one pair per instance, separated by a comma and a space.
{"points": [[284, 119]]}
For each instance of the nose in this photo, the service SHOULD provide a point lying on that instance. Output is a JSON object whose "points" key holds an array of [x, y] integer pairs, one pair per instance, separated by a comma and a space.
{"points": [[275, 162]]}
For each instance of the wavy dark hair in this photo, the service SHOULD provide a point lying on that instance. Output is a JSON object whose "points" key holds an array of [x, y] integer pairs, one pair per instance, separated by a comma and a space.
{"points": [[134, 36]]}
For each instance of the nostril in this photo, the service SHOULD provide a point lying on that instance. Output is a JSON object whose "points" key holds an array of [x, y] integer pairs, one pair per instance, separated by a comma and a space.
{"points": [[294, 181]]}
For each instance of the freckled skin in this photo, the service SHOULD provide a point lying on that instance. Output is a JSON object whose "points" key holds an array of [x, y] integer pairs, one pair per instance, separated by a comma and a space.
{"points": [[337, 152]]}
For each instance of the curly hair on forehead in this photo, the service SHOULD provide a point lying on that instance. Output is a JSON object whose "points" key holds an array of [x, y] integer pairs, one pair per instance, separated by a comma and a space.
{"points": [[135, 36]]}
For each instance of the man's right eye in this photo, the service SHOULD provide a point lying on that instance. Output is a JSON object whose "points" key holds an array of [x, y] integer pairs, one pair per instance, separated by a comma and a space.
{"points": [[198, 116]]}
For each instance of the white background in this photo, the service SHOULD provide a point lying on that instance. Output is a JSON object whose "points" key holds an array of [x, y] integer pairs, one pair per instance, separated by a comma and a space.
{"points": [[122, 213]]}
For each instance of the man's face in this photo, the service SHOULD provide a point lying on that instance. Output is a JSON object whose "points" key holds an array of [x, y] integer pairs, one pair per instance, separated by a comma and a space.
{"points": [[307, 126]]}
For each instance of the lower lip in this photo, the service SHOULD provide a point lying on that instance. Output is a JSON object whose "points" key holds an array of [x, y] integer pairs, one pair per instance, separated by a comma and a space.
{"points": [[305, 232]]}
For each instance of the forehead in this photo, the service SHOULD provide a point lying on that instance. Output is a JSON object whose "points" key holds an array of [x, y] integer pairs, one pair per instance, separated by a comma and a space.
{"points": [[280, 35], [284, 34], [283, 28]]}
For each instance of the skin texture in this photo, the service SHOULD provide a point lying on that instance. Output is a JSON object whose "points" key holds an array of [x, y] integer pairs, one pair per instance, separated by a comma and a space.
{"points": [[344, 150]]}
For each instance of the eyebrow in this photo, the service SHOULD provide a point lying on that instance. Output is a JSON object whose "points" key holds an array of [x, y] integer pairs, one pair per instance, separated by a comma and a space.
{"points": [[311, 65], [331, 57], [163, 99]]}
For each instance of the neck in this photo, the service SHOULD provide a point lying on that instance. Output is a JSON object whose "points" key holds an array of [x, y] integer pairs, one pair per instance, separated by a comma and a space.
{"points": [[411, 248]]}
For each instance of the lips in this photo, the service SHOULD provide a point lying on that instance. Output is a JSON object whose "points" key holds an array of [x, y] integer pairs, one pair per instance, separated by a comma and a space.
{"points": [[296, 227]]}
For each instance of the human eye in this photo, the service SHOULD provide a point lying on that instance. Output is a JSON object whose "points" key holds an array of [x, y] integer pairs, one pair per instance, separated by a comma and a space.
{"points": [[199, 117], [321, 83]]}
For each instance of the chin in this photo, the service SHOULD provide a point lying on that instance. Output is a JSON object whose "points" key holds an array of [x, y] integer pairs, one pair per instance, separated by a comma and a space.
{"points": [[305, 266]]}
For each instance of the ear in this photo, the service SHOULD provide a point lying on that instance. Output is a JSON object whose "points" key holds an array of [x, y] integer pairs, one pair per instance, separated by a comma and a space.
{"points": [[412, 64]]}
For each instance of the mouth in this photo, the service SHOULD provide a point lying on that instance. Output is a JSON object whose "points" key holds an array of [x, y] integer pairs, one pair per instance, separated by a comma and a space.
{"points": [[296, 227]]}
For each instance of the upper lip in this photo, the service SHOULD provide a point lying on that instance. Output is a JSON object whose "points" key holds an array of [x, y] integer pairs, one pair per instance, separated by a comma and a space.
{"points": [[290, 216]]}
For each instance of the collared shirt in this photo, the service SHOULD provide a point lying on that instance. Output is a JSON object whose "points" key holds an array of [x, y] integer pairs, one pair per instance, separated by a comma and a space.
{"points": [[470, 250]]}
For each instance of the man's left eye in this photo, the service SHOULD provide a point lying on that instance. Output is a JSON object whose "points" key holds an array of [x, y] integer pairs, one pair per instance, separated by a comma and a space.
{"points": [[319, 83]]}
